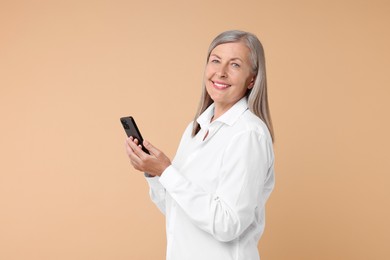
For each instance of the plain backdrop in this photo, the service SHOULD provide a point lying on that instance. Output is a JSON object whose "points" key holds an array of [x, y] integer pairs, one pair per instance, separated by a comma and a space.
{"points": [[70, 69]]}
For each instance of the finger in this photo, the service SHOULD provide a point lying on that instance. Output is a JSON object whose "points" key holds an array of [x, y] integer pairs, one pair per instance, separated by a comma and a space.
{"points": [[134, 158], [134, 147], [153, 150], [135, 161], [137, 149], [129, 149], [129, 143], [136, 141]]}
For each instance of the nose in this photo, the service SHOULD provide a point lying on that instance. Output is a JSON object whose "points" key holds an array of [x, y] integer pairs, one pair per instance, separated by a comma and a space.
{"points": [[222, 71]]}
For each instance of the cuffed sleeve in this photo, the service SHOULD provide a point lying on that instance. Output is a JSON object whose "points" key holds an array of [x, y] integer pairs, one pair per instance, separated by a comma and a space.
{"points": [[156, 192]]}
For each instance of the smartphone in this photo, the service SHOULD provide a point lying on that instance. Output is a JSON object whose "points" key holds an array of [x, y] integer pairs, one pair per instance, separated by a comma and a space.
{"points": [[131, 129]]}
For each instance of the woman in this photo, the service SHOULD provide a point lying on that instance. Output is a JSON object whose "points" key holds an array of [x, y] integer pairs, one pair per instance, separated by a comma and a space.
{"points": [[213, 194]]}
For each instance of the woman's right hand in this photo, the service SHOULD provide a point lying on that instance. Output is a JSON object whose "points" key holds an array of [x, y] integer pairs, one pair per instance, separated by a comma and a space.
{"points": [[154, 163]]}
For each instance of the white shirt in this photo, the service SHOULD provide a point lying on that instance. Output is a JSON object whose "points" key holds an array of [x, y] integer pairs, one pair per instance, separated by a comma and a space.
{"points": [[214, 193]]}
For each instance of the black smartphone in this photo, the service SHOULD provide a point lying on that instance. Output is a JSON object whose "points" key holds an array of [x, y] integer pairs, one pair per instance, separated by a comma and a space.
{"points": [[131, 129]]}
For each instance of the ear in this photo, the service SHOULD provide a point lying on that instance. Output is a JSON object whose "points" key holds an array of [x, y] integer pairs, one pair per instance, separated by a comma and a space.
{"points": [[252, 82]]}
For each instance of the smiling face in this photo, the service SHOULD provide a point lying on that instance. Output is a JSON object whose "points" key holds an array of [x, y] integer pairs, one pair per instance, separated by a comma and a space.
{"points": [[228, 74]]}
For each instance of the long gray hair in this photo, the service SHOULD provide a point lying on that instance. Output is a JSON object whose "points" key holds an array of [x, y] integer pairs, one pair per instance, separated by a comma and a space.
{"points": [[257, 96]]}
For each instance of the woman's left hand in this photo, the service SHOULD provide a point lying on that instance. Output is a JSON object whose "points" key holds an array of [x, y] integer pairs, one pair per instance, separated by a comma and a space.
{"points": [[153, 164]]}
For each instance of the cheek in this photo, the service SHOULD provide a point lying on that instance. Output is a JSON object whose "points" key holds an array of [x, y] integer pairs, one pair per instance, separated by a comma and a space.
{"points": [[206, 77], [248, 79], [209, 70]]}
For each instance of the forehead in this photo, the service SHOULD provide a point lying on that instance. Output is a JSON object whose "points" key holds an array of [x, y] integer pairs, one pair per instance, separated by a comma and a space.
{"points": [[232, 50]]}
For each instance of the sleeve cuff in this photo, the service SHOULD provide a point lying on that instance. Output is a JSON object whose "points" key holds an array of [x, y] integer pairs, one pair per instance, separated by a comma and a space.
{"points": [[147, 175], [153, 181], [170, 178]]}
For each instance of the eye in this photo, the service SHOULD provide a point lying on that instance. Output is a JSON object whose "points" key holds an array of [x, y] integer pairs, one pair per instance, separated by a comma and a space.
{"points": [[214, 61], [236, 65]]}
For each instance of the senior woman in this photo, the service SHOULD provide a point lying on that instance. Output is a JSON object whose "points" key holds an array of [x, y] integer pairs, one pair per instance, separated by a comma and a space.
{"points": [[213, 193]]}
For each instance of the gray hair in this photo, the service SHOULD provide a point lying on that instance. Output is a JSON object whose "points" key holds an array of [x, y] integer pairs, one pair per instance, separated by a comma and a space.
{"points": [[257, 95]]}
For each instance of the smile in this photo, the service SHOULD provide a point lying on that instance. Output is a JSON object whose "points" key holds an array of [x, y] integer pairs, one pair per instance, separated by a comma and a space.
{"points": [[219, 85]]}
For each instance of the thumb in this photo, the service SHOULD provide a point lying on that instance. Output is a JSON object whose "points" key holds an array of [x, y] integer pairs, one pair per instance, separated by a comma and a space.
{"points": [[153, 150]]}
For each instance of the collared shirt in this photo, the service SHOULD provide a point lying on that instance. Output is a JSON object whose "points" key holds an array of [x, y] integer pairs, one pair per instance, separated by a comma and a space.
{"points": [[214, 193]]}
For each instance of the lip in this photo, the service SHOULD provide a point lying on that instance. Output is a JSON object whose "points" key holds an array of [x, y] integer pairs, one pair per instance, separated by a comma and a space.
{"points": [[220, 85]]}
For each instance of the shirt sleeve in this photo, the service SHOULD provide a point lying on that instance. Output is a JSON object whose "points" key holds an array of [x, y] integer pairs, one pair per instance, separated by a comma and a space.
{"points": [[156, 192], [228, 212]]}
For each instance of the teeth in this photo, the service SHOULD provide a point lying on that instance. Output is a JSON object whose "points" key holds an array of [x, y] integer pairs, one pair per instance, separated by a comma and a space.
{"points": [[220, 85]]}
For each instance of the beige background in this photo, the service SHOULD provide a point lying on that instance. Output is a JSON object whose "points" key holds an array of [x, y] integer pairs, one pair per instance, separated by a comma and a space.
{"points": [[70, 69]]}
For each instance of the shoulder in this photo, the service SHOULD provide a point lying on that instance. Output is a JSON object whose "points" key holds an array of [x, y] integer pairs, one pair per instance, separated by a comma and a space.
{"points": [[187, 134], [188, 129], [250, 123]]}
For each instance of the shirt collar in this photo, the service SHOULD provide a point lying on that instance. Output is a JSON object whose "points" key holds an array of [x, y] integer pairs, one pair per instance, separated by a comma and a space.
{"points": [[229, 117]]}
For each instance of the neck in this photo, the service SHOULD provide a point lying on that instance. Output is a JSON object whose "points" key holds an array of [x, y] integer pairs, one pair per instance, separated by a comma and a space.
{"points": [[219, 110]]}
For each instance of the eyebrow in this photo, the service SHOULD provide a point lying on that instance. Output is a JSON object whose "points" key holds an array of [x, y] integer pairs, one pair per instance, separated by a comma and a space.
{"points": [[230, 59]]}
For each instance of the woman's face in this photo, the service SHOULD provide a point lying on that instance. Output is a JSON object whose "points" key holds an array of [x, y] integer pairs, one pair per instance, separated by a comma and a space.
{"points": [[228, 73]]}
